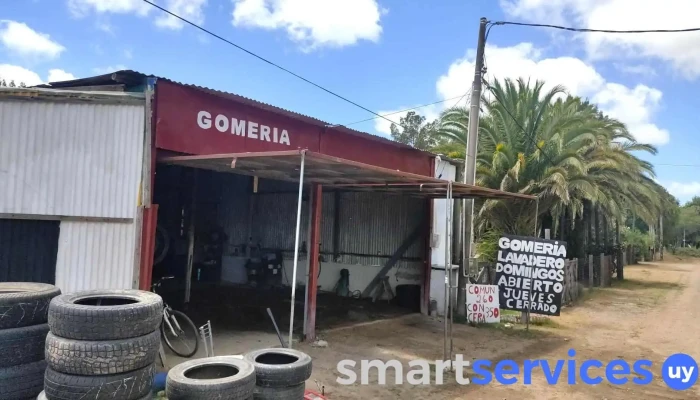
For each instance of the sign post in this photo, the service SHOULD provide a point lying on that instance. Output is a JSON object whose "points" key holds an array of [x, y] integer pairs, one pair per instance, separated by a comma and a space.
{"points": [[530, 274]]}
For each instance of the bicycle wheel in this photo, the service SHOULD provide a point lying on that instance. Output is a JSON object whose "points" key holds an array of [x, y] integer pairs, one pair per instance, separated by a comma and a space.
{"points": [[184, 342]]}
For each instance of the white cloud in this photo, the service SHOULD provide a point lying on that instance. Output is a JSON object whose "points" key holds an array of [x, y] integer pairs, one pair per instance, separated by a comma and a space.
{"points": [[522, 60], [191, 10], [313, 23], [633, 106], [383, 126], [643, 70], [82, 8], [20, 39], [684, 190], [18, 74], [109, 69], [58, 75], [681, 50]]}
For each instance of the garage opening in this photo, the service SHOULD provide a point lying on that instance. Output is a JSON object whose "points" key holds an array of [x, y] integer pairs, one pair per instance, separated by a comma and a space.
{"points": [[240, 231], [28, 250]]}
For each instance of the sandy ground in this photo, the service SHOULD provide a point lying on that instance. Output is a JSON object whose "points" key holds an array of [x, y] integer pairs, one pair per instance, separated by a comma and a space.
{"points": [[651, 315]]}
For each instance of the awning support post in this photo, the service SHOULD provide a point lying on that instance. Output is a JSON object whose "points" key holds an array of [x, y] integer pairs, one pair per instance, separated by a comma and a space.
{"points": [[448, 274], [296, 248], [314, 260]]}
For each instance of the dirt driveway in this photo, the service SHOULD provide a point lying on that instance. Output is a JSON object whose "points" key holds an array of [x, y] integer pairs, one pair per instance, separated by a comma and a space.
{"points": [[651, 315]]}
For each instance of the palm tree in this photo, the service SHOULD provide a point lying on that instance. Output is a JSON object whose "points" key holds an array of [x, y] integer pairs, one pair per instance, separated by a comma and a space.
{"points": [[557, 147]]}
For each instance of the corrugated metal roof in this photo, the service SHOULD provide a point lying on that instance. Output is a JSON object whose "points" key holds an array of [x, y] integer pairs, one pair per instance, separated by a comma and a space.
{"points": [[134, 78]]}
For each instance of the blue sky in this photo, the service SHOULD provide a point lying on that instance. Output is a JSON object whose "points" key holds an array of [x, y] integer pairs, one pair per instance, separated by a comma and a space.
{"points": [[384, 54]]}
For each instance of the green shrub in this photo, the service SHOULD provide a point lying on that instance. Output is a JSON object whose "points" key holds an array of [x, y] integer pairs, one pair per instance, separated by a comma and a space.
{"points": [[640, 241], [687, 252], [487, 247]]}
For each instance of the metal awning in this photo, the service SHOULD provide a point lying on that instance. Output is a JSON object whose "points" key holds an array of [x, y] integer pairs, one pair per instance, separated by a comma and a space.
{"points": [[336, 173]]}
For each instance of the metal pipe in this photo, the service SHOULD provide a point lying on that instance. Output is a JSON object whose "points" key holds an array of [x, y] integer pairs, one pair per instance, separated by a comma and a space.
{"points": [[296, 248], [447, 279], [452, 285]]}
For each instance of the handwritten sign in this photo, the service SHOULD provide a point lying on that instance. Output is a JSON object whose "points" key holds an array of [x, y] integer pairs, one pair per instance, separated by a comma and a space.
{"points": [[530, 274], [482, 304]]}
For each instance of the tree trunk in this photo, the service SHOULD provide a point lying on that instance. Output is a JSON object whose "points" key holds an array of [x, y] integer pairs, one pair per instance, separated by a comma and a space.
{"points": [[588, 237], [562, 224], [605, 231], [596, 216]]}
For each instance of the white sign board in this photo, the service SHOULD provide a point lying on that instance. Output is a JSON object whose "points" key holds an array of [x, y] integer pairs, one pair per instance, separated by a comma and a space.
{"points": [[483, 304]]}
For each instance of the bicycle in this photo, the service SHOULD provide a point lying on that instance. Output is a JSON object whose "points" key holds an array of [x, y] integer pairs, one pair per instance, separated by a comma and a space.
{"points": [[177, 329]]}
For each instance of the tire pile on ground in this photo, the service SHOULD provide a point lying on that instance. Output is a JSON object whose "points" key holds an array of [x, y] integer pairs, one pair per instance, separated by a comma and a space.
{"points": [[268, 374], [102, 345], [23, 329], [280, 373]]}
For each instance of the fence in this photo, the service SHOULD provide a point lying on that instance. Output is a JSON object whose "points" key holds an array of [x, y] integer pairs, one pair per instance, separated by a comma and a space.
{"points": [[571, 285]]}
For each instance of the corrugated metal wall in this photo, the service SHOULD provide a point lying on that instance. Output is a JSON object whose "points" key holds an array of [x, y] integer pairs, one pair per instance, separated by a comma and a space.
{"points": [[95, 255], [371, 225], [28, 250], [70, 159], [76, 162]]}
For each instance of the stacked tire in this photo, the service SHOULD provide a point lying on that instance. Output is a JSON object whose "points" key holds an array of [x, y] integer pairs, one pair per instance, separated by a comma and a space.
{"points": [[102, 344], [222, 378], [280, 374], [23, 329]]}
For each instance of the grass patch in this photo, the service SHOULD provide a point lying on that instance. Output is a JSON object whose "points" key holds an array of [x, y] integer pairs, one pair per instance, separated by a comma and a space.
{"points": [[633, 284]]}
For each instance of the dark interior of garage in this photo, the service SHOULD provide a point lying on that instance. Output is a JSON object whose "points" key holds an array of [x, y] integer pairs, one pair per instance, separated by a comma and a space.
{"points": [[242, 233]]}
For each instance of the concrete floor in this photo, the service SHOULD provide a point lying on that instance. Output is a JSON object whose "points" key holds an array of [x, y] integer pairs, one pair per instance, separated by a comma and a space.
{"points": [[229, 343]]}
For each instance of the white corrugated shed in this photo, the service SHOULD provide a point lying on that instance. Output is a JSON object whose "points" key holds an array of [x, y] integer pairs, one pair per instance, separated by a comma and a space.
{"points": [[77, 157], [70, 159], [95, 255]]}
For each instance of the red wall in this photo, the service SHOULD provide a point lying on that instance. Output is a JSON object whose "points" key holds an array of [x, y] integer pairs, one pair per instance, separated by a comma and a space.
{"points": [[181, 128]]}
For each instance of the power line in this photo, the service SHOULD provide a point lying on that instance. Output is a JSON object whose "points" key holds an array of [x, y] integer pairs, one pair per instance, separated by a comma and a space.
{"points": [[566, 28], [407, 109], [265, 60]]}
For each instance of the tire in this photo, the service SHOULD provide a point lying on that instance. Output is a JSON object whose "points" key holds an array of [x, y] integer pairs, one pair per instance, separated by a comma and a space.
{"points": [[186, 324], [22, 381], [199, 379], [25, 303], [42, 396], [81, 357], [280, 368], [132, 385], [22, 345], [135, 313], [288, 393]]}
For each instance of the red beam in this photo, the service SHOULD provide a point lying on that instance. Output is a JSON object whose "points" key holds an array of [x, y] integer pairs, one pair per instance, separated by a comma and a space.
{"points": [[314, 249], [148, 245]]}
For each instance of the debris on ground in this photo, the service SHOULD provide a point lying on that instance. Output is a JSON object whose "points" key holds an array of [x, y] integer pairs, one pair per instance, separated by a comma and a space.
{"points": [[320, 343]]}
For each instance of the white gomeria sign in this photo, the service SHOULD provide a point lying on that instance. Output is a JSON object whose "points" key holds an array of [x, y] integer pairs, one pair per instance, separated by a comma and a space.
{"points": [[482, 304]]}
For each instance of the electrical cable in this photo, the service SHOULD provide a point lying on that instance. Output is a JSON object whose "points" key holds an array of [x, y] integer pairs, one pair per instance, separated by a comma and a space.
{"points": [[402, 111], [261, 58], [566, 28]]}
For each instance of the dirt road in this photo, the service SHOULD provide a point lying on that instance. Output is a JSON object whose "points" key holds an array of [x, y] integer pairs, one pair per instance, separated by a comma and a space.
{"points": [[651, 315]]}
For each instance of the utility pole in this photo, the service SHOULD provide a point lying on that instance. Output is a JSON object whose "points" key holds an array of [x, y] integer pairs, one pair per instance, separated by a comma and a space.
{"points": [[470, 169]]}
